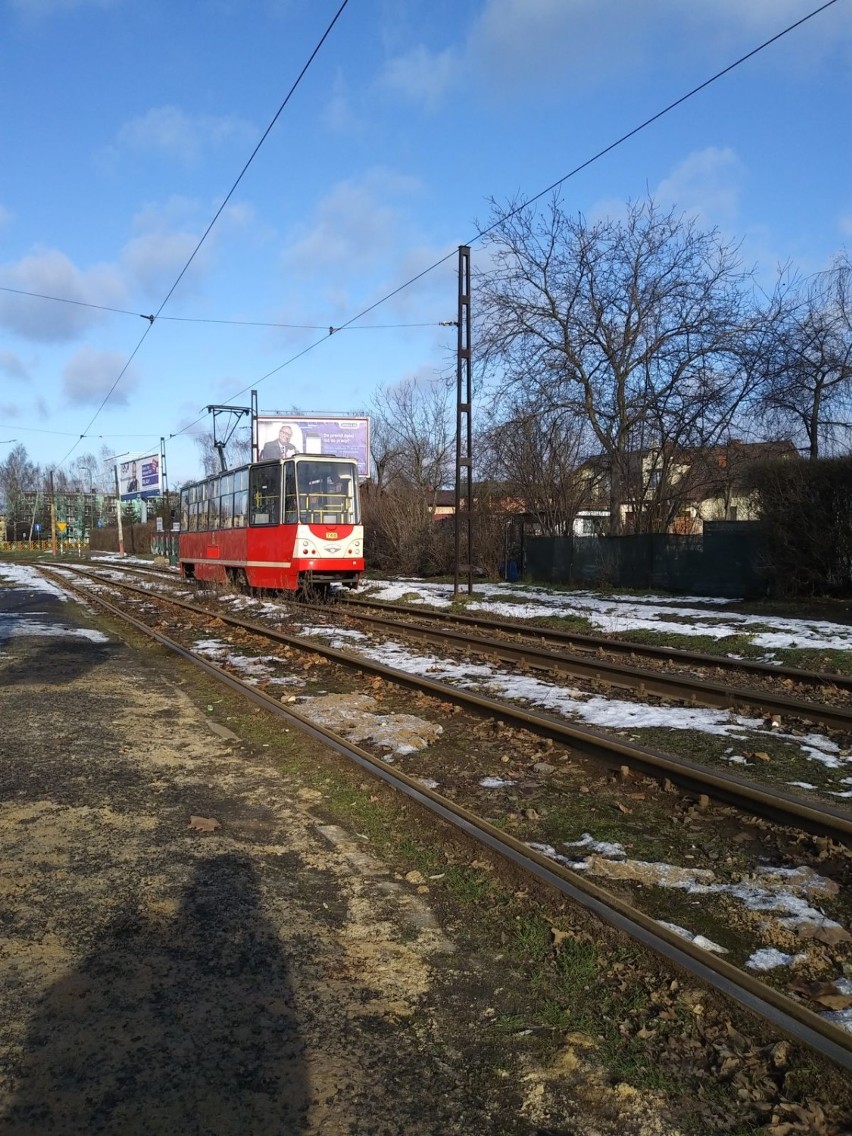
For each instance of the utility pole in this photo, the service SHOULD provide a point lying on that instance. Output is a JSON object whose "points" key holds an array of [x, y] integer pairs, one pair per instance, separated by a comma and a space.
{"points": [[164, 488], [118, 512], [52, 514], [464, 432]]}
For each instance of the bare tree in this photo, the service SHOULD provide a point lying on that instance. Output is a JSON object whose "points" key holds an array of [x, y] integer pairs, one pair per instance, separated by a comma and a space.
{"points": [[537, 459], [237, 450], [804, 360], [85, 473], [411, 448], [412, 435], [20, 478], [631, 326]]}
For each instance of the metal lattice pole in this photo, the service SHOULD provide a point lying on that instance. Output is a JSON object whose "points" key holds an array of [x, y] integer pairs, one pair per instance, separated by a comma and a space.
{"points": [[464, 431]]}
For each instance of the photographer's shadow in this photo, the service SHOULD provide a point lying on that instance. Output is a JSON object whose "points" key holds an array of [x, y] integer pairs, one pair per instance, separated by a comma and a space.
{"points": [[184, 1024]]}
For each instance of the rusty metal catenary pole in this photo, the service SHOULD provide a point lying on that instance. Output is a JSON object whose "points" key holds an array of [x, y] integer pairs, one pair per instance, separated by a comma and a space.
{"points": [[464, 432], [118, 512], [52, 514]]}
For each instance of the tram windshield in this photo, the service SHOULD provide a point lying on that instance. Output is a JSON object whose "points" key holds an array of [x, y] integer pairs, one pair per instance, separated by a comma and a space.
{"points": [[326, 493]]}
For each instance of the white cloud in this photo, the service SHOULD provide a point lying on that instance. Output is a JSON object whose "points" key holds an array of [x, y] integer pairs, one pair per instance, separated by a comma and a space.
{"points": [[181, 137], [355, 226], [706, 183], [423, 76], [526, 46], [155, 259], [165, 237], [12, 366], [88, 376], [338, 115], [522, 43], [50, 273]]}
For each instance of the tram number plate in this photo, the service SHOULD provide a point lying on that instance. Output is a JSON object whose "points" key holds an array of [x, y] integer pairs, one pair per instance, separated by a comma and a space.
{"points": [[331, 536]]}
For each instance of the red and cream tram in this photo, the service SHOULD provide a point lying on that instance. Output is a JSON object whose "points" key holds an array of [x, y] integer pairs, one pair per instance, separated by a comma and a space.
{"points": [[290, 525]]}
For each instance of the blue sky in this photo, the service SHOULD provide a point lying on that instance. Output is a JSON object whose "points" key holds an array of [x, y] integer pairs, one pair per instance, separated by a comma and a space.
{"points": [[126, 124]]}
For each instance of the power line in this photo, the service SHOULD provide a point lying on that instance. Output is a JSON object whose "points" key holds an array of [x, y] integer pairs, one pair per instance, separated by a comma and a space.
{"points": [[199, 319], [299, 326], [600, 154], [67, 433], [64, 300], [478, 236], [648, 121], [554, 185], [254, 152], [215, 218]]}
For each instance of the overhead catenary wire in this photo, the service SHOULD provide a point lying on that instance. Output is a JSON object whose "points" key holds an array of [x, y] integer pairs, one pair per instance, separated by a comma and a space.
{"points": [[600, 154], [537, 196], [479, 235], [151, 319], [211, 320]]}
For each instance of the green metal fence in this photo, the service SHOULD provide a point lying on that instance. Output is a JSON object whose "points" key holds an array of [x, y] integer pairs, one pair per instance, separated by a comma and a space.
{"points": [[727, 560]]}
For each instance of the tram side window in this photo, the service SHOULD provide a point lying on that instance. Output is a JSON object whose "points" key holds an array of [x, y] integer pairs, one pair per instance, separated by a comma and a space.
{"points": [[184, 509], [240, 498], [291, 504], [265, 494], [226, 500]]}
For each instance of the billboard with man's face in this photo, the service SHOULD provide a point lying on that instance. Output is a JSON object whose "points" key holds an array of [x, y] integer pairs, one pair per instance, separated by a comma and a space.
{"points": [[281, 436], [140, 478]]}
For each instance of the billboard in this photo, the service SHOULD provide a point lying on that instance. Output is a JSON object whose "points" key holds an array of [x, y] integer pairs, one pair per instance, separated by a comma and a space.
{"points": [[282, 435], [140, 478]]}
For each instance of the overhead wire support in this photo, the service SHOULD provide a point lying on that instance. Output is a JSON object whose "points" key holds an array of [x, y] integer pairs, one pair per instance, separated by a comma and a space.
{"points": [[219, 444]]}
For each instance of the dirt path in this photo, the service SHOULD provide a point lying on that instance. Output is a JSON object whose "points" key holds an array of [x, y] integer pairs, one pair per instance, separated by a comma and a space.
{"points": [[187, 947], [245, 971]]}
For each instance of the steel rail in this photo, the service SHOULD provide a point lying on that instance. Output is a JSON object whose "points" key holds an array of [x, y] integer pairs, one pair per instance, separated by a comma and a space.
{"points": [[694, 690], [600, 643], [822, 819], [790, 1016], [597, 643]]}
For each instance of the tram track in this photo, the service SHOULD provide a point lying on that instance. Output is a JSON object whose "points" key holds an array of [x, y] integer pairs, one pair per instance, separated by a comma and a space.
{"points": [[727, 788], [600, 645], [785, 1012], [691, 689], [774, 804], [680, 686]]}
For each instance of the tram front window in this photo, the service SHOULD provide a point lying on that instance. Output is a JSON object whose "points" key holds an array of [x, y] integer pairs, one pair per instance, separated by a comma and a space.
{"points": [[328, 493]]}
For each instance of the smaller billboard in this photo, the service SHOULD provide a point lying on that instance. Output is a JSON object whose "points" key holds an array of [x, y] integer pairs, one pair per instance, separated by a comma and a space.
{"points": [[140, 478], [281, 436]]}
